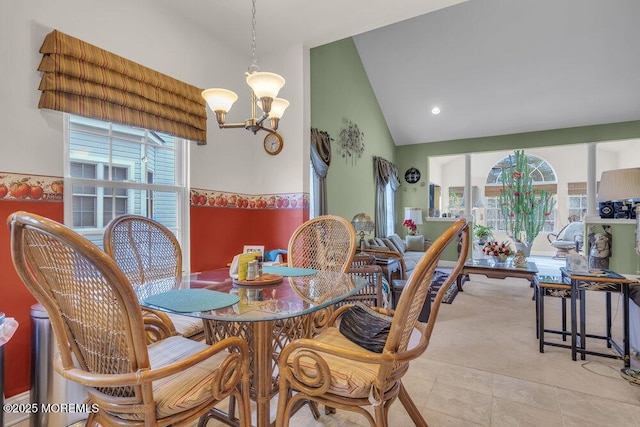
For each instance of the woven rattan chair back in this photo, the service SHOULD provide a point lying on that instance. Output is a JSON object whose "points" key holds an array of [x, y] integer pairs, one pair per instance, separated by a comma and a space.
{"points": [[93, 310], [144, 249], [418, 286], [326, 242]]}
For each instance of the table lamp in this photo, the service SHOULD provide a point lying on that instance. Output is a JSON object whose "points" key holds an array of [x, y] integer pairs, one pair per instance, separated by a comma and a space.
{"points": [[362, 224], [619, 184], [414, 214]]}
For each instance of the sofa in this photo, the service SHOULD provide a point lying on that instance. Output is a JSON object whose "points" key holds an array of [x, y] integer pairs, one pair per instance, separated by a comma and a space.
{"points": [[408, 251]]}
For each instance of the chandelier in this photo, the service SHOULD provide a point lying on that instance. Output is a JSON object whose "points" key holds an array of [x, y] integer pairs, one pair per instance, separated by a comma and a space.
{"points": [[264, 90]]}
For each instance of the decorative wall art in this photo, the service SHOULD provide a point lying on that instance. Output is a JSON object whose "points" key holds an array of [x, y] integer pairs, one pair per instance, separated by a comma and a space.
{"points": [[412, 175], [351, 141]]}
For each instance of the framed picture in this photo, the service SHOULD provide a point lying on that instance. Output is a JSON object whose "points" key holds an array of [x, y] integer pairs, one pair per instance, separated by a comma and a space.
{"points": [[253, 248]]}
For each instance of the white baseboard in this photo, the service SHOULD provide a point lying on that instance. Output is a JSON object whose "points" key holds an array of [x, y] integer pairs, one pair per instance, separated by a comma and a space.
{"points": [[11, 419]]}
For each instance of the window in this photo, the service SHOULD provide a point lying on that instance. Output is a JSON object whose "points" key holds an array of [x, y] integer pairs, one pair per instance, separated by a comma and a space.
{"points": [[542, 175], [496, 221], [577, 206], [114, 169]]}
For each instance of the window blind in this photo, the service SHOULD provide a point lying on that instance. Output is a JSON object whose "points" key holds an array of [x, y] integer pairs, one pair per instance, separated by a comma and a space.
{"points": [[82, 79]]}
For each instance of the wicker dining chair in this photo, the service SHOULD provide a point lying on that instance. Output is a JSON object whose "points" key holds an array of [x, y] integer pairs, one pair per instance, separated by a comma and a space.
{"points": [[99, 332], [146, 250], [332, 370], [326, 242]]}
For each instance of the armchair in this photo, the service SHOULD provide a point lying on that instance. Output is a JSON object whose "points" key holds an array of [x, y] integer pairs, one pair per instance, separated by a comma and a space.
{"points": [[98, 326], [332, 370], [146, 250], [570, 237]]}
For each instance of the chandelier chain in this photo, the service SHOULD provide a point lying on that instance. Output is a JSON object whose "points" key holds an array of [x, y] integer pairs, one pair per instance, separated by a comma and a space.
{"points": [[254, 62]]}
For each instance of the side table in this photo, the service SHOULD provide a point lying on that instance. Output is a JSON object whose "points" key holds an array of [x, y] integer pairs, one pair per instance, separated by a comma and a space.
{"points": [[389, 267], [608, 282]]}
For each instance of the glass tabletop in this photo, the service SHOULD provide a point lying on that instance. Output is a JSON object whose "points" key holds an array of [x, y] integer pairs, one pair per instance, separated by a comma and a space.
{"points": [[294, 296], [530, 267]]}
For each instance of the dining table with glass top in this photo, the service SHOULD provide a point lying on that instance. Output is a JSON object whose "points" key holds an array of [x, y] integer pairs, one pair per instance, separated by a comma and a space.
{"points": [[267, 313]]}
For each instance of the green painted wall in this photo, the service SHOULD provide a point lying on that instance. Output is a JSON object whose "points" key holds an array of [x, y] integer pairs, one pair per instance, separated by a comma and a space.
{"points": [[340, 90]]}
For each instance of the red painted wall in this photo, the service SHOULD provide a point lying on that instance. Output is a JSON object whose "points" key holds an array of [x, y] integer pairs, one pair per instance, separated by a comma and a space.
{"points": [[217, 234], [15, 299]]}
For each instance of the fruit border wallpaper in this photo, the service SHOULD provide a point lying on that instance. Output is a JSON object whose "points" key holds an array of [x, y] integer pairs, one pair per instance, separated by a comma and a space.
{"points": [[14, 186], [220, 199]]}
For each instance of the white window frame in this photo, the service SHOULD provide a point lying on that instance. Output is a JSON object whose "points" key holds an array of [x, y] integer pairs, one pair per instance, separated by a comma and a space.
{"points": [[100, 164], [181, 188]]}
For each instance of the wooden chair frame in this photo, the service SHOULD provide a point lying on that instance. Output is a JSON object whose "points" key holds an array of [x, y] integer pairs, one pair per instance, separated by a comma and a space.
{"points": [[298, 385]]}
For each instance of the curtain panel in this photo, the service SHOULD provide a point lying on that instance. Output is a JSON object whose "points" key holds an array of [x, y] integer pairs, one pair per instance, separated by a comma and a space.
{"points": [[385, 173], [320, 160], [82, 79]]}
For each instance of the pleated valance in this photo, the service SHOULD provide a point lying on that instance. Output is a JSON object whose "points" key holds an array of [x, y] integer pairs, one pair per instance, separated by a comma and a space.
{"points": [[576, 188], [82, 79], [494, 190]]}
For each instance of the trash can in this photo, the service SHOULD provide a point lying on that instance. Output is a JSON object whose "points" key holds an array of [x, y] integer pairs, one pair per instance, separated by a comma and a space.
{"points": [[2, 371], [48, 388]]}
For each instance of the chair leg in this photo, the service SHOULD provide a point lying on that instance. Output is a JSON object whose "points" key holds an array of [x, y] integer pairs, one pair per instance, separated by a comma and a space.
{"points": [[313, 406], [410, 407]]}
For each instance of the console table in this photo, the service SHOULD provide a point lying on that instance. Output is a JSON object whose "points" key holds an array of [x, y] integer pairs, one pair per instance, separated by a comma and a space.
{"points": [[494, 270]]}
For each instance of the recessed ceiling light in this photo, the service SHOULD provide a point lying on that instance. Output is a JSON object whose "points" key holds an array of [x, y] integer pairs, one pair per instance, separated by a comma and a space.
{"points": [[435, 110]]}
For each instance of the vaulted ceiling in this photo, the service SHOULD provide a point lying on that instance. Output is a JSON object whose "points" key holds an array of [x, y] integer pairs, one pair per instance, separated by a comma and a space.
{"points": [[493, 67]]}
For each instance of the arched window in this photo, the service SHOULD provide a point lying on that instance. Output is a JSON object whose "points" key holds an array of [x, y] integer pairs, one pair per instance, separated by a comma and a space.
{"points": [[541, 171], [543, 177]]}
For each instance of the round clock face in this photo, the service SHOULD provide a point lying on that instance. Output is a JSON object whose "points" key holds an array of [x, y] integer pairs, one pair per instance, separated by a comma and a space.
{"points": [[412, 175], [273, 143]]}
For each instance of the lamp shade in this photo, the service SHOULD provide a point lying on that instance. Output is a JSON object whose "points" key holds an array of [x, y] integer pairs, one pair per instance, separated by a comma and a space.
{"points": [[277, 108], [619, 184], [362, 222], [414, 214], [265, 85], [219, 99]]}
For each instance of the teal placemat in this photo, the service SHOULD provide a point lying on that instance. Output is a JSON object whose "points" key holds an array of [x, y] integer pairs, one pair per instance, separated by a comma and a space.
{"points": [[289, 271], [191, 300]]}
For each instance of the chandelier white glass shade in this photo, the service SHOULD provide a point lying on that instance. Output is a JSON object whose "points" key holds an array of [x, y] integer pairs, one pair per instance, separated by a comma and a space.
{"points": [[264, 91]]}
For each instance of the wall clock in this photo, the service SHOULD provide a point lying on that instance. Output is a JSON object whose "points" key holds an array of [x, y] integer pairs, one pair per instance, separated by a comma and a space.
{"points": [[273, 143], [412, 175]]}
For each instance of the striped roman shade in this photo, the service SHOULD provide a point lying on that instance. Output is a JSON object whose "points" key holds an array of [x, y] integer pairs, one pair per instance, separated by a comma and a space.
{"points": [[82, 79], [576, 188], [494, 190]]}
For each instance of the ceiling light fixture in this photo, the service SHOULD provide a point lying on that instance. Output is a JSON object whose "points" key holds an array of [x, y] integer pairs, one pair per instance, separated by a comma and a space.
{"points": [[264, 90], [435, 110]]}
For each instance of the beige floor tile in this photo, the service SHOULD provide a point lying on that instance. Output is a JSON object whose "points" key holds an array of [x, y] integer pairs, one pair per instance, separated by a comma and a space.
{"points": [[509, 413], [460, 403], [467, 378], [596, 409], [526, 392]]}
